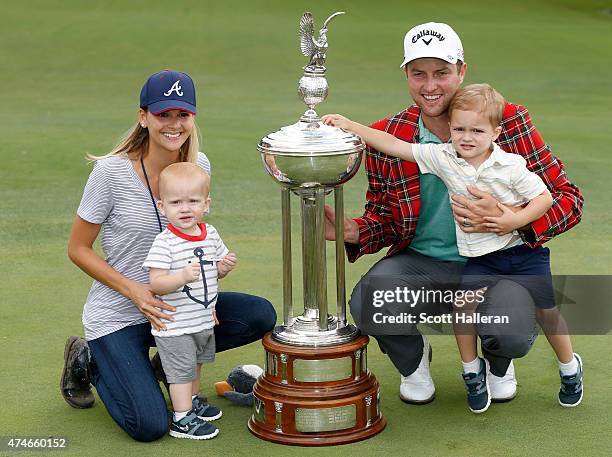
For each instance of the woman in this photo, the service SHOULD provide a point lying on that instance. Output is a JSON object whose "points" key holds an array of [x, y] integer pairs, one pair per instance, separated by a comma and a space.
{"points": [[119, 197]]}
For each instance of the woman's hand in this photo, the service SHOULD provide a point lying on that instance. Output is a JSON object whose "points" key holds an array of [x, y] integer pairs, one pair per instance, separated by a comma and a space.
{"points": [[149, 305], [80, 251]]}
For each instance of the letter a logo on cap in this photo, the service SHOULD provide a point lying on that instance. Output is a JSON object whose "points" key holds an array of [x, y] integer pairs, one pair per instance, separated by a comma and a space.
{"points": [[176, 87]]}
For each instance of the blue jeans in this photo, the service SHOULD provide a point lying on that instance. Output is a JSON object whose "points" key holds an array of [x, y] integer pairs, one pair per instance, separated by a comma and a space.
{"points": [[124, 378]]}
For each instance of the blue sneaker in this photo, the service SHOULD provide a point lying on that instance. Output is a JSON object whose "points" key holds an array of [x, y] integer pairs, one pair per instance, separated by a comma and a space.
{"points": [[570, 393], [192, 427], [205, 411], [478, 396]]}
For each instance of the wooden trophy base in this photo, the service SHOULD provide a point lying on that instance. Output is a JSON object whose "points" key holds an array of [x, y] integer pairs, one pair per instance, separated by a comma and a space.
{"points": [[316, 396]]}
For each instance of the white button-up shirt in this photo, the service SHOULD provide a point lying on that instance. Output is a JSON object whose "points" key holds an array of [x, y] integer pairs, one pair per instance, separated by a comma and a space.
{"points": [[503, 175]]}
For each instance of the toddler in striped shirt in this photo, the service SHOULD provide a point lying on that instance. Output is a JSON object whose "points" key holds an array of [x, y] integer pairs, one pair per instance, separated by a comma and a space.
{"points": [[185, 262]]}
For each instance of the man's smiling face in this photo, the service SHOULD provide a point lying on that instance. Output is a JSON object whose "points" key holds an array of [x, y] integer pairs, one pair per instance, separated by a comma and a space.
{"points": [[432, 84]]}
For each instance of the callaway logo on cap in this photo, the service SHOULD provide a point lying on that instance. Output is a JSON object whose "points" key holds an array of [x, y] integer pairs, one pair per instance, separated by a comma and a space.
{"points": [[168, 90], [433, 39]]}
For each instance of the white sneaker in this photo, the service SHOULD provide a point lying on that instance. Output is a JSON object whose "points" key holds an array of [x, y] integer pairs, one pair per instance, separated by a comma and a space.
{"points": [[418, 388], [502, 388]]}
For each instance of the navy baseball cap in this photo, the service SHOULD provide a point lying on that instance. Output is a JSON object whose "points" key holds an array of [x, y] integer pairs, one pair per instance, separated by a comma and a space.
{"points": [[168, 90]]}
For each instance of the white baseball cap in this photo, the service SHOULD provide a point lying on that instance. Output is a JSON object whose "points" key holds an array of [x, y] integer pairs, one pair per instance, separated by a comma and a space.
{"points": [[433, 39]]}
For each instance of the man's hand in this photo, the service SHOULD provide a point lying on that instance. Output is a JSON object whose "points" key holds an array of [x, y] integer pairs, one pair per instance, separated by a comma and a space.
{"points": [[351, 229], [470, 214], [505, 223]]}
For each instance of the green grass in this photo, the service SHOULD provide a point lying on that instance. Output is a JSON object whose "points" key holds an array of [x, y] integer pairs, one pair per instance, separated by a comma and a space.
{"points": [[72, 72]]}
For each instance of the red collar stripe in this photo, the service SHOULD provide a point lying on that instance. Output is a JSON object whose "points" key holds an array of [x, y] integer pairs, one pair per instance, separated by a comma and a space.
{"points": [[200, 237]]}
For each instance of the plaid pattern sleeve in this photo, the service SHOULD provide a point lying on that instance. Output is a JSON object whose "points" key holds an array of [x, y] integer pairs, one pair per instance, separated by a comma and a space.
{"points": [[519, 136], [393, 194]]}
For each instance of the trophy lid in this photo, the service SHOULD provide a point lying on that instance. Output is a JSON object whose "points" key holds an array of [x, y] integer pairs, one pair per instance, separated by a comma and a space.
{"points": [[310, 154], [309, 136]]}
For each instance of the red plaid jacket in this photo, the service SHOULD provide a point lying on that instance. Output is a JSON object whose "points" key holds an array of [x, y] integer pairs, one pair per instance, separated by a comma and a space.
{"points": [[393, 195]]}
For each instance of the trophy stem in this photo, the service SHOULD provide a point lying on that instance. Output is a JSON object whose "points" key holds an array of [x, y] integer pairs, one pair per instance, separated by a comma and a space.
{"points": [[308, 256], [287, 274], [340, 262], [321, 259]]}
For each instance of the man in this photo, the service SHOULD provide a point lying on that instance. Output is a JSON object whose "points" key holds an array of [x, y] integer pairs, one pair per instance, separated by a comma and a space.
{"points": [[411, 213]]}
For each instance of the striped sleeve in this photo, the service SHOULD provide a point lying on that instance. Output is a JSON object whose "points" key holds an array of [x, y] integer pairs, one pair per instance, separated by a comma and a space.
{"points": [[204, 162], [159, 255], [97, 201], [220, 248]]}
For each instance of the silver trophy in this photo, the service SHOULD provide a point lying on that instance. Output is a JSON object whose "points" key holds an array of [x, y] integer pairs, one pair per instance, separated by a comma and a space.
{"points": [[316, 388], [311, 159]]}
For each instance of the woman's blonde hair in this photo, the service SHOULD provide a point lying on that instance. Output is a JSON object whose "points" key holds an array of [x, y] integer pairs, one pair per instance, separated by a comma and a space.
{"points": [[136, 140]]}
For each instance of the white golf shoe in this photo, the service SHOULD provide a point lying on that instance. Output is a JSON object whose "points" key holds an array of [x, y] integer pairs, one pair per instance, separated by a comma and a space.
{"points": [[418, 388], [502, 388]]}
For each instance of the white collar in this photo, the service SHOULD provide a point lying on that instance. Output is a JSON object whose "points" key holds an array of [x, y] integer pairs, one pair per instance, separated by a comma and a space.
{"points": [[498, 156]]}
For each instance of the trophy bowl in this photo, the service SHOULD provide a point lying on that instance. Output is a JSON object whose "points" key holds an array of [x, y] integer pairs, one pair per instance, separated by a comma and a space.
{"points": [[310, 154]]}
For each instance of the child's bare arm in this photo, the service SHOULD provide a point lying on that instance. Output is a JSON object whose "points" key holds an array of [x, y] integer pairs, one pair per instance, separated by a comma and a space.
{"points": [[163, 283], [379, 140], [510, 220]]}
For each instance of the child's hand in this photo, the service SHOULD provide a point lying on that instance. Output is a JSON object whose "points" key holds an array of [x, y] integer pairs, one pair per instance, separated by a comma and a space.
{"points": [[504, 224], [337, 120], [227, 264], [191, 272], [214, 313]]}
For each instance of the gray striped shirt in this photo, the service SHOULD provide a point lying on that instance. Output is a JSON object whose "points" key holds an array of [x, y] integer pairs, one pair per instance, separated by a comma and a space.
{"points": [[116, 198], [172, 251]]}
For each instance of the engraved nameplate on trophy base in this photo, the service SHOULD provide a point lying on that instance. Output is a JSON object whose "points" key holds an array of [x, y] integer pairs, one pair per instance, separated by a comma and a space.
{"points": [[322, 370], [325, 419]]}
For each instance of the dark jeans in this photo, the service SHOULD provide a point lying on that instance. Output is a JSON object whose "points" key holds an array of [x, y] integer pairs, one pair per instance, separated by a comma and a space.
{"points": [[124, 378], [505, 298], [529, 267]]}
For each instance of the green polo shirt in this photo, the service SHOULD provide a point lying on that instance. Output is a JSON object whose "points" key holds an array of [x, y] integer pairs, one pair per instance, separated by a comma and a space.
{"points": [[435, 232]]}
